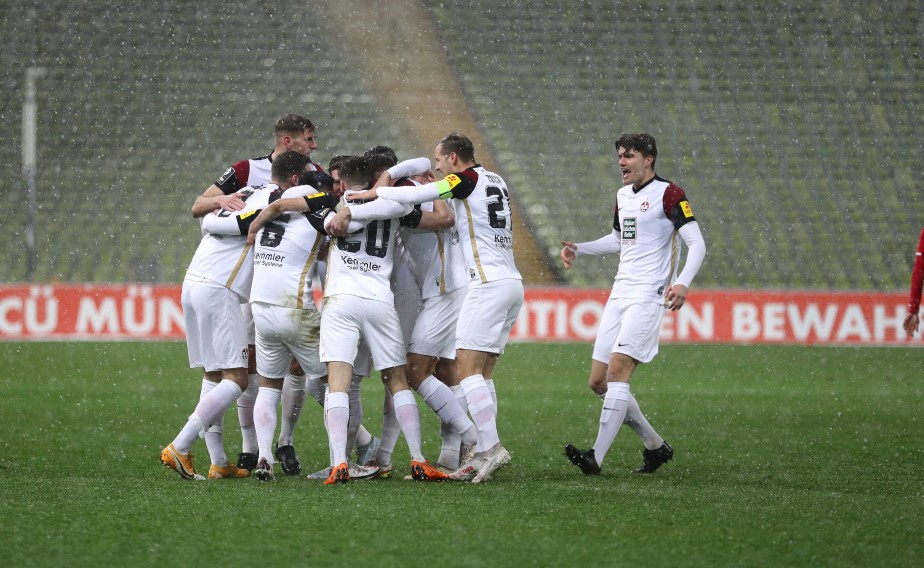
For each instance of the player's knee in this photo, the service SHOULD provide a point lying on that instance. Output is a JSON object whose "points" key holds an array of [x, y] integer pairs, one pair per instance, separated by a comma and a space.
{"points": [[597, 384]]}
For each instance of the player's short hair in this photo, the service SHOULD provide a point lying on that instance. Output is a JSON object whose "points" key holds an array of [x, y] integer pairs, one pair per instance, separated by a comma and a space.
{"points": [[336, 162], [642, 143], [356, 171], [317, 180], [288, 164], [460, 144], [292, 124], [378, 163], [382, 151]]}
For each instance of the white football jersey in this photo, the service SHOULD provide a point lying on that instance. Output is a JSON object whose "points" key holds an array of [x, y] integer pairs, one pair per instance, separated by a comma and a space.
{"points": [[360, 263], [251, 173], [482, 207], [223, 255], [435, 258], [647, 222], [285, 258]]}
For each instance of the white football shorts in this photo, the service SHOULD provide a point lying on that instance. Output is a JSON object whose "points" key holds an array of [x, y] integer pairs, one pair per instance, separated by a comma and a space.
{"points": [[216, 336], [434, 331], [346, 319], [248, 322], [408, 302], [286, 332], [487, 315], [630, 327]]}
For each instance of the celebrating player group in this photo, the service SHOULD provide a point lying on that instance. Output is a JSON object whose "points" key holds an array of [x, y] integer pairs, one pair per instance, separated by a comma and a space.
{"points": [[396, 275], [419, 282]]}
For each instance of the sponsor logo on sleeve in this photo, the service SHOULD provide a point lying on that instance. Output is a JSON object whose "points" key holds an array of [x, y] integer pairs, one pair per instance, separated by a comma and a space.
{"points": [[687, 210], [246, 215], [453, 180], [225, 176], [316, 195]]}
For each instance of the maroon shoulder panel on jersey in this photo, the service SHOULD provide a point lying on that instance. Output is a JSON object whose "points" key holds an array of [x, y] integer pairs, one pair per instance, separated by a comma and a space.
{"points": [[234, 177], [468, 180], [677, 207]]}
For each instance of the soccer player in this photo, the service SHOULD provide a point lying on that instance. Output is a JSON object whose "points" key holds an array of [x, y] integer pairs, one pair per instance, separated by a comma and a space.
{"points": [[650, 214], [429, 281], [481, 202], [292, 132], [218, 280], [358, 304], [357, 435], [912, 322]]}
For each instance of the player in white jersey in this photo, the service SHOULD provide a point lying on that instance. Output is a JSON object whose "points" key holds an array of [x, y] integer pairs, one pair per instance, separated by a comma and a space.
{"points": [[287, 320], [292, 132], [652, 216], [218, 280], [358, 304], [481, 203], [429, 284]]}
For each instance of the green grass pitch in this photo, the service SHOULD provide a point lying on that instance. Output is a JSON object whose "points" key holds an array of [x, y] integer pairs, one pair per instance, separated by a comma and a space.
{"points": [[785, 456]]}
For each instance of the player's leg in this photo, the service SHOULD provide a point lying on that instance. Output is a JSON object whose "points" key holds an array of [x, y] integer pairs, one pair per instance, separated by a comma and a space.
{"points": [[457, 437], [247, 459], [294, 390], [631, 329], [218, 343], [340, 334], [264, 416]]}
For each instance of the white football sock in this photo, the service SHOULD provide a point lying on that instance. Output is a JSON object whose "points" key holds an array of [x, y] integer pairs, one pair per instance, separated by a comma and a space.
{"points": [[363, 436], [214, 440], [264, 419], [356, 414], [637, 421], [409, 419], [293, 399], [245, 414], [338, 420], [615, 404], [316, 388], [490, 384], [481, 407], [390, 431], [209, 411], [443, 402]]}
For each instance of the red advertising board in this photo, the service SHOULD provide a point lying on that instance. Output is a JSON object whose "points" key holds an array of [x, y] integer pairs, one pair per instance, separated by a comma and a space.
{"points": [[142, 311]]}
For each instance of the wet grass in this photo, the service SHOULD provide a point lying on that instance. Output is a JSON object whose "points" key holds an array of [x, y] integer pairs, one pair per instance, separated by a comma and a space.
{"points": [[784, 456]]}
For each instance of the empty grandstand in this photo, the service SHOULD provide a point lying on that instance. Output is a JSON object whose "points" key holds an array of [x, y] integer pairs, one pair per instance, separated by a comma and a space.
{"points": [[790, 124]]}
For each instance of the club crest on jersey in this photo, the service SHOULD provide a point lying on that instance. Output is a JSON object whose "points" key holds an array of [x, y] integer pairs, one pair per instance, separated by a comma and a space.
{"points": [[629, 225], [644, 207], [687, 210]]}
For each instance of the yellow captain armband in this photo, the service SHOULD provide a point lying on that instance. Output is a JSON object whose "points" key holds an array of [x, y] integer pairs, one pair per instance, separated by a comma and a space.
{"points": [[447, 184]]}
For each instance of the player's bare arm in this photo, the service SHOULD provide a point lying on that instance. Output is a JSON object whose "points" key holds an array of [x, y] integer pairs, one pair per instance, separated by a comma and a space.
{"points": [[274, 210], [214, 199], [337, 227], [440, 218]]}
